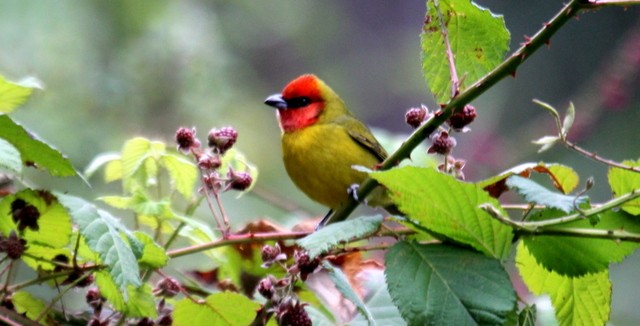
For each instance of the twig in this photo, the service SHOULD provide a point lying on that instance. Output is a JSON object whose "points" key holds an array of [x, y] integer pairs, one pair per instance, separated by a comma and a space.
{"points": [[233, 239], [598, 158], [537, 226], [58, 297]]}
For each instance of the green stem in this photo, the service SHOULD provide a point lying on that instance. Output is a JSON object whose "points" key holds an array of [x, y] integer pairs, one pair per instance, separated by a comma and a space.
{"points": [[58, 297], [532, 226], [506, 68], [619, 235]]}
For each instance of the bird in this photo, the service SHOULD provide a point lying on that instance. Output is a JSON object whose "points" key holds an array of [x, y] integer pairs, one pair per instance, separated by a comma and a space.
{"points": [[321, 143]]}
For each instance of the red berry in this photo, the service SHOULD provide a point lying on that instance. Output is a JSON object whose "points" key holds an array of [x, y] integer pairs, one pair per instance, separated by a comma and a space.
{"points": [[266, 288], [442, 144], [239, 180], [13, 245], [186, 139], [459, 120], [290, 314], [222, 139], [167, 287], [415, 116], [305, 264], [209, 162]]}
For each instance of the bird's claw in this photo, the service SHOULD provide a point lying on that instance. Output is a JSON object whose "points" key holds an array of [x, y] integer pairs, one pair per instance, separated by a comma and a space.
{"points": [[353, 192]]}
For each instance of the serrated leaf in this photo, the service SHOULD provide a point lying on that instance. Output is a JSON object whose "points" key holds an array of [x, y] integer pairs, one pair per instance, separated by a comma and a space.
{"points": [[563, 177], [568, 119], [134, 152], [53, 222], [624, 181], [333, 234], [141, 302], [584, 300], [33, 151], [153, 256], [577, 256], [479, 41], [12, 95], [26, 303], [444, 285], [535, 193], [344, 287], [102, 233], [379, 302], [217, 309], [110, 290], [113, 171], [447, 206], [10, 158], [184, 174]]}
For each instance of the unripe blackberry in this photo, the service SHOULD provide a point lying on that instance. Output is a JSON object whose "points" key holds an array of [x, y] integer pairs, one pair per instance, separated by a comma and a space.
{"points": [[209, 162], [146, 321], [186, 139], [290, 314], [415, 116], [442, 144], [461, 119], [13, 245], [167, 287], [239, 180], [266, 288], [222, 139], [165, 319], [305, 264], [93, 298]]}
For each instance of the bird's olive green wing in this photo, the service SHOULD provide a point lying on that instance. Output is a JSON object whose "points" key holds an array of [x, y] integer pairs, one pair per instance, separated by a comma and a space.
{"points": [[365, 138]]}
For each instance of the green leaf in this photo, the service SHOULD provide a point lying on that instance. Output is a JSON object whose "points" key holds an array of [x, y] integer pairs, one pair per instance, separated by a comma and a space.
{"points": [[447, 206], [577, 256], [565, 176], [333, 234], [102, 233], [534, 193], [479, 41], [141, 302], [568, 119], [217, 309], [34, 151], [29, 305], [444, 285], [10, 157], [624, 181], [39, 257], [110, 290], [12, 95], [53, 222], [184, 174], [584, 300], [153, 256], [378, 302], [344, 287]]}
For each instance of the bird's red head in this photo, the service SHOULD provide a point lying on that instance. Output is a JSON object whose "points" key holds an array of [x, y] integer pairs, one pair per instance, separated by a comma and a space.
{"points": [[300, 103]]}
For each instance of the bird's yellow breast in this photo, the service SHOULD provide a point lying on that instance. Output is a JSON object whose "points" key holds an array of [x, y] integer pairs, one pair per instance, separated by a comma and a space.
{"points": [[319, 160]]}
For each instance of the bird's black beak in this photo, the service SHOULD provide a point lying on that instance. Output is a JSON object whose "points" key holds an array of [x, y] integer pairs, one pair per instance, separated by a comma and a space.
{"points": [[276, 101]]}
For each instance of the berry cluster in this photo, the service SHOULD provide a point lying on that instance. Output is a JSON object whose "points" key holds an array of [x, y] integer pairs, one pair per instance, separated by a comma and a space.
{"points": [[209, 161], [282, 302], [442, 142]]}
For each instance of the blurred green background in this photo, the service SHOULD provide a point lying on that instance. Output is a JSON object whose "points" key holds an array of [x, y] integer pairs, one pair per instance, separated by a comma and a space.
{"points": [[118, 69]]}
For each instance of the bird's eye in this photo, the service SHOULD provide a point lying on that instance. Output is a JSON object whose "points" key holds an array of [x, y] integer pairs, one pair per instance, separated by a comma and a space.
{"points": [[298, 102]]}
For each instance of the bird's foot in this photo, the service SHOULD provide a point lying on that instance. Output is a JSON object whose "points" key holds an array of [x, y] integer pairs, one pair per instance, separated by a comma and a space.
{"points": [[353, 192]]}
